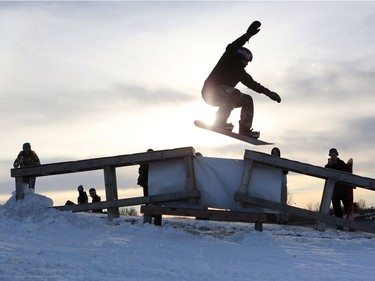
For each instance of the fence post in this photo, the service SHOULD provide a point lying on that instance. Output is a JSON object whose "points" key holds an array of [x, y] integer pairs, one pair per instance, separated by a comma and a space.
{"points": [[190, 177], [246, 176], [329, 186], [19, 188], [111, 190]]}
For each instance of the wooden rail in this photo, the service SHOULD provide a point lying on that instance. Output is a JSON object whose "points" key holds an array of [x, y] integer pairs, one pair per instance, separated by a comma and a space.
{"points": [[156, 212], [153, 199], [330, 176], [109, 165], [191, 194]]}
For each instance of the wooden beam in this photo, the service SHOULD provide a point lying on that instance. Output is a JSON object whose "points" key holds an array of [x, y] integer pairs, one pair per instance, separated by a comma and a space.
{"points": [[100, 163], [246, 176], [305, 213], [190, 177], [217, 215], [19, 188], [111, 190], [162, 198], [310, 170], [329, 187]]}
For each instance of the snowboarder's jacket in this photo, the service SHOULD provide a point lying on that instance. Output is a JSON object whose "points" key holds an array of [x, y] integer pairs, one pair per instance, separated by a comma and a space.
{"points": [[230, 70], [26, 159]]}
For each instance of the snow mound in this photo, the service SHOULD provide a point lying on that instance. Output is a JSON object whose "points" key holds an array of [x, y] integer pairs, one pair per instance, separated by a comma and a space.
{"points": [[33, 207], [36, 210]]}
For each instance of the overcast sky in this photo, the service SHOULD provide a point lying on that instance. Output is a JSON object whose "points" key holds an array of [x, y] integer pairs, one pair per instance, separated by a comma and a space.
{"points": [[82, 80]]}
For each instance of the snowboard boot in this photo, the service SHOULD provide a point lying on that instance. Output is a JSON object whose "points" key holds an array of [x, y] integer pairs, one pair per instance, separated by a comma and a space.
{"points": [[248, 132], [222, 116], [223, 125]]}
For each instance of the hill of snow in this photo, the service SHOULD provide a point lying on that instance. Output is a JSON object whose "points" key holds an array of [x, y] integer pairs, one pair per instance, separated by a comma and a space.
{"points": [[38, 242]]}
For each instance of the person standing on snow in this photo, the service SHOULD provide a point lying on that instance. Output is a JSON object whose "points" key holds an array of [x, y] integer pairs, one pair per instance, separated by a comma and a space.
{"points": [[342, 192], [27, 158], [218, 89], [284, 189], [143, 176]]}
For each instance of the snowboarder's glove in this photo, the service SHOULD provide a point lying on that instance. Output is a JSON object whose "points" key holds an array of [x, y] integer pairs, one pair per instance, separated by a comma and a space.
{"points": [[273, 96], [253, 28]]}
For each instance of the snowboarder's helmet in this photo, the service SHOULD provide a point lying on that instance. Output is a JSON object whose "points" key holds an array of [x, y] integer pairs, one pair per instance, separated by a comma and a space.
{"points": [[92, 190], [245, 53]]}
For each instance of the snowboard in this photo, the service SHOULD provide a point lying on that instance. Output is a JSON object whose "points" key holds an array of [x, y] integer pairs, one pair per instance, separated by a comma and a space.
{"points": [[350, 210], [250, 140]]}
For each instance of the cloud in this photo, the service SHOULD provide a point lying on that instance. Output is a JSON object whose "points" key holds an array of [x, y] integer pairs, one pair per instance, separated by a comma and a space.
{"points": [[88, 79], [58, 105]]}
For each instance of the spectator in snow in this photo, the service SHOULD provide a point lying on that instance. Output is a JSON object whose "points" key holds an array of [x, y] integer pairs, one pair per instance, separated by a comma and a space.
{"points": [[342, 192], [95, 198], [143, 176], [82, 195], [276, 152], [27, 158]]}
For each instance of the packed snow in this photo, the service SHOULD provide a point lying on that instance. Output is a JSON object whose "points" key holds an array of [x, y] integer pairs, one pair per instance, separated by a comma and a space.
{"points": [[38, 242]]}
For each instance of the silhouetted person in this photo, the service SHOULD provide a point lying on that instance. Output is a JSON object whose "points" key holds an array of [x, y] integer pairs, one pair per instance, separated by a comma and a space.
{"points": [[143, 176], [27, 158], [95, 198], [82, 195], [219, 88]]}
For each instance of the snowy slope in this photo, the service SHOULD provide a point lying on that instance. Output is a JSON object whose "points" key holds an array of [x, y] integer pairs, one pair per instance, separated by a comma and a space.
{"points": [[40, 243]]}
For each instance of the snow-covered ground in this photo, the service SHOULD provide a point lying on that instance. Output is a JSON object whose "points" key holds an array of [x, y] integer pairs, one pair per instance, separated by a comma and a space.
{"points": [[41, 243]]}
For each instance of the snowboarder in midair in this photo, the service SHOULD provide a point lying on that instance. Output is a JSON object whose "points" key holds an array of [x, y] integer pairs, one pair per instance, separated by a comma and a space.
{"points": [[218, 89]]}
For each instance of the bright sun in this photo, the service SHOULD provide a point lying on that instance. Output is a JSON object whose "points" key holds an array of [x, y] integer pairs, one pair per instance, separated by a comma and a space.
{"points": [[180, 129], [171, 127]]}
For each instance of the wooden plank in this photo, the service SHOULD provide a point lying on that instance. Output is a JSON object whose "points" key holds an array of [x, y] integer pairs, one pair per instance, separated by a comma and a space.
{"points": [[311, 170], [246, 176], [147, 218], [100, 163], [305, 213], [157, 220], [130, 201], [325, 204], [110, 182], [190, 177], [19, 188], [217, 215], [283, 201]]}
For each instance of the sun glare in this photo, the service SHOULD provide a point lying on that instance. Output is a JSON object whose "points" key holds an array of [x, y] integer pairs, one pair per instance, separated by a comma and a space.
{"points": [[187, 132], [180, 129]]}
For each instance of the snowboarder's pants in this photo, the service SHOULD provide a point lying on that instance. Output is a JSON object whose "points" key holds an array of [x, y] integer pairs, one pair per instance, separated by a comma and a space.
{"points": [[228, 98]]}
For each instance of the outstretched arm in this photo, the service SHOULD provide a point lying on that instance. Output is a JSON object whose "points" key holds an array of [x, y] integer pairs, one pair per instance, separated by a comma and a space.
{"points": [[248, 81], [239, 42]]}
